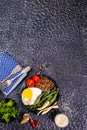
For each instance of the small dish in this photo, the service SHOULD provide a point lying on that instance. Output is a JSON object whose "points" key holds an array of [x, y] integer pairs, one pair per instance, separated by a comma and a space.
{"points": [[8, 110], [43, 89]]}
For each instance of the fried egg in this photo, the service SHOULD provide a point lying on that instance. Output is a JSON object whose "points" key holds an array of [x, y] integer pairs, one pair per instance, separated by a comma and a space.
{"points": [[29, 95]]}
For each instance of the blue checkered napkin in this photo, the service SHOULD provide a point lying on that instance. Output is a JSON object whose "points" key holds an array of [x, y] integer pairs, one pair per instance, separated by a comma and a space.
{"points": [[7, 64]]}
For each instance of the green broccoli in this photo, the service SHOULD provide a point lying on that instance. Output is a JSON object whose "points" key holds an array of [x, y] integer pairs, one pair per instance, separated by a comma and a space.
{"points": [[2, 102], [14, 111], [6, 117], [10, 103], [8, 110]]}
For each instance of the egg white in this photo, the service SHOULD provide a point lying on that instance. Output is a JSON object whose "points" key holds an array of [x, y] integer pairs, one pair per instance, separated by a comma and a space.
{"points": [[35, 93]]}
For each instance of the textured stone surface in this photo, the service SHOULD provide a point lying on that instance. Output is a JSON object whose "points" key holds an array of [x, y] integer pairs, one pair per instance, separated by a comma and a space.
{"points": [[54, 33]]}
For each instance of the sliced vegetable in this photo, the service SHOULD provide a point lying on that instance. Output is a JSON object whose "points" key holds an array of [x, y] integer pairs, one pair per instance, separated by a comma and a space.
{"points": [[44, 105], [47, 109]]}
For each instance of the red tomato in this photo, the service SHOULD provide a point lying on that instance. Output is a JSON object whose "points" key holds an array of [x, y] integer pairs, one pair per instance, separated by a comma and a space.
{"points": [[30, 82], [36, 78]]}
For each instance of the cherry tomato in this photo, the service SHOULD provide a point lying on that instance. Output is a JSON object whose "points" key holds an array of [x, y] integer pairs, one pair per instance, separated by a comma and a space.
{"points": [[30, 82], [36, 78]]}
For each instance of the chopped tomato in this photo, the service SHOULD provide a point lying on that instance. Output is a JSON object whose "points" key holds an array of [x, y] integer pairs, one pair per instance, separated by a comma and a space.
{"points": [[36, 78], [30, 82]]}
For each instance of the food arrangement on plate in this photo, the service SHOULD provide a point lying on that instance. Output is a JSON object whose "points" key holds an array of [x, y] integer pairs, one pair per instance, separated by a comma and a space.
{"points": [[40, 94], [8, 110]]}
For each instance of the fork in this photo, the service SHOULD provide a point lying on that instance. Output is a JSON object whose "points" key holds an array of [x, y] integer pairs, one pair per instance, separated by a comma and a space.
{"points": [[14, 71], [8, 82]]}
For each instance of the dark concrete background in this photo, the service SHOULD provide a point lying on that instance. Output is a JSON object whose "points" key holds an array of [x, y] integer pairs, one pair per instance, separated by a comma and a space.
{"points": [[52, 33]]}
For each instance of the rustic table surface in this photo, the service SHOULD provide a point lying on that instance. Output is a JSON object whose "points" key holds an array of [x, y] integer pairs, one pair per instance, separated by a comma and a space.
{"points": [[53, 34]]}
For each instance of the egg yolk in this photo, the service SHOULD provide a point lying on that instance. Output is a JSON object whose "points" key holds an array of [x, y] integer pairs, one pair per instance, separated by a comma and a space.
{"points": [[27, 93]]}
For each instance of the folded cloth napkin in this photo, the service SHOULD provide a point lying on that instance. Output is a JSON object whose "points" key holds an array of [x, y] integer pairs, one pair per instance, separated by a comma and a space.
{"points": [[7, 64]]}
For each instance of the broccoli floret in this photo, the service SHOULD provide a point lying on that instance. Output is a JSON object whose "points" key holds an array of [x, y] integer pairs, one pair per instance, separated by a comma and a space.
{"points": [[14, 111], [10, 103], [2, 103], [6, 117], [5, 110], [8, 110]]}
